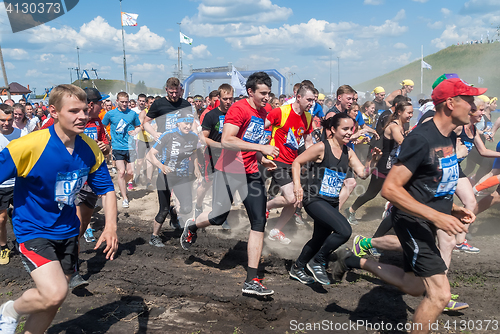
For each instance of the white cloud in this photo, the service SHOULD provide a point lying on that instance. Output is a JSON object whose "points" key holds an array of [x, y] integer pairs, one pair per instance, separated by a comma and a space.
{"points": [[199, 52], [373, 2], [33, 73], [435, 25], [445, 11], [119, 59], [147, 67], [46, 57], [480, 7], [9, 65], [400, 46], [15, 54], [449, 36], [172, 53], [400, 15], [402, 59]]}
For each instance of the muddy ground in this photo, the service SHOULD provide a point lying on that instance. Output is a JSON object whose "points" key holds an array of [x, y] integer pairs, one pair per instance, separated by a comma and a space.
{"points": [[169, 290]]}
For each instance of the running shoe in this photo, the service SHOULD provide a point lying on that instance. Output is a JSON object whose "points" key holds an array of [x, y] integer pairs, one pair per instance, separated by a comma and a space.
{"points": [[77, 281], [387, 210], [351, 217], [130, 186], [455, 306], [254, 287], [277, 235], [374, 252], [5, 256], [298, 219], [89, 235], [339, 267], [356, 247], [319, 272], [156, 241], [188, 238], [8, 325], [149, 186], [465, 247], [114, 170], [267, 214], [125, 203], [300, 275], [226, 226]]}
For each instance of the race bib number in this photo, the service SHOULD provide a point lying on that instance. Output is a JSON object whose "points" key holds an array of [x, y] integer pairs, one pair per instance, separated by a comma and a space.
{"points": [[291, 141], [170, 121], [332, 183], [91, 132], [266, 138], [122, 126], [254, 131], [68, 185], [449, 180], [221, 122]]}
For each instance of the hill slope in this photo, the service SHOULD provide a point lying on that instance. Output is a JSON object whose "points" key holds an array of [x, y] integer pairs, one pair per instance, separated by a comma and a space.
{"points": [[468, 61]]}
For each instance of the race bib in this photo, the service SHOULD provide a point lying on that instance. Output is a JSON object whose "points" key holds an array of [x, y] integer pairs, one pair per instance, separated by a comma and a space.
{"points": [[332, 183], [68, 185], [254, 131], [449, 180], [221, 122], [291, 141], [91, 132], [266, 138], [122, 126], [170, 121]]}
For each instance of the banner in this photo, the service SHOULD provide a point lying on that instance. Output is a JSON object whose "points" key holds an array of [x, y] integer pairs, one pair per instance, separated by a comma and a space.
{"points": [[185, 39], [238, 82], [129, 19], [426, 65]]}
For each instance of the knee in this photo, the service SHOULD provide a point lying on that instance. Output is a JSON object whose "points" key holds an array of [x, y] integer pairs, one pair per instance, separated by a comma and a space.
{"points": [[219, 220], [345, 233], [289, 198], [121, 173], [55, 297], [350, 182], [258, 225], [162, 215]]}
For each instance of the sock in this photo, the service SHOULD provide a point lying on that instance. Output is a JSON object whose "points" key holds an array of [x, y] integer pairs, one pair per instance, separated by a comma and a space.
{"points": [[251, 274], [193, 228], [488, 183], [366, 243], [9, 311], [353, 262]]}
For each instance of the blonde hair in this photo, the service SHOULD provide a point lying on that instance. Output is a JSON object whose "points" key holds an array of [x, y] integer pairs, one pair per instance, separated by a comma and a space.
{"points": [[57, 94]]}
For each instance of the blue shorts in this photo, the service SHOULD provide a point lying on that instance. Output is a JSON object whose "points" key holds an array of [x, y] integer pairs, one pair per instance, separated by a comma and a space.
{"points": [[496, 163]]}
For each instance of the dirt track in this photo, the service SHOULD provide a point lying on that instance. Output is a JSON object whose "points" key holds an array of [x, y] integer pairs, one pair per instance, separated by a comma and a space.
{"points": [[153, 290]]}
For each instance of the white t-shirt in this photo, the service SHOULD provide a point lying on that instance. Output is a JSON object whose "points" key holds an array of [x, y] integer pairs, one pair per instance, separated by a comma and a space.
{"points": [[4, 141]]}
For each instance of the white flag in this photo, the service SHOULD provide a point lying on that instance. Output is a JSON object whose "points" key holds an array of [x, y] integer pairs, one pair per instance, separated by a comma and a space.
{"points": [[238, 82], [129, 19], [185, 39], [425, 65], [480, 80]]}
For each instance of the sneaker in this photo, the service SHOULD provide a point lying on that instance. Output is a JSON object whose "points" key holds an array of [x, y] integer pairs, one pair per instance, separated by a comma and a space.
{"points": [[149, 186], [5, 256], [8, 325], [125, 203], [387, 210], [156, 241], [197, 212], [455, 306], [254, 287], [188, 238], [375, 252], [319, 272], [465, 247], [339, 267], [356, 247], [351, 217], [298, 219], [130, 186], [267, 214], [114, 170], [89, 235], [277, 235], [226, 226], [77, 281], [300, 275]]}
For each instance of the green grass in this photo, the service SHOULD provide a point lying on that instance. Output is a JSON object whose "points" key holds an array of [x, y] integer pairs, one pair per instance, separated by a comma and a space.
{"points": [[468, 61]]}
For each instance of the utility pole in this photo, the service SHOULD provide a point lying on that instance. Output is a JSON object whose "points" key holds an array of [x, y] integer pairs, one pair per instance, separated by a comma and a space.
{"points": [[338, 70], [124, 58], [70, 74], [78, 69], [330, 88], [179, 55], [4, 74]]}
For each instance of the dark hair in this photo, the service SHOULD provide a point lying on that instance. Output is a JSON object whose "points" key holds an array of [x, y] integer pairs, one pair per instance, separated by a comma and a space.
{"points": [[334, 122], [141, 95], [400, 108], [258, 78], [7, 110], [282, 96], [303, 88], [398, 99], [213, 94], [421, 102], [307, 82]]}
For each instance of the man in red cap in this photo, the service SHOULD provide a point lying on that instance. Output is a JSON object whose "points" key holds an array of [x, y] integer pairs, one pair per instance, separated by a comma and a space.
{"points": [[421, 187]]}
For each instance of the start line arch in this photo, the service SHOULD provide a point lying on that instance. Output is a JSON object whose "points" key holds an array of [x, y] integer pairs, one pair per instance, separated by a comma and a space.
{"points": [[227, 75]]}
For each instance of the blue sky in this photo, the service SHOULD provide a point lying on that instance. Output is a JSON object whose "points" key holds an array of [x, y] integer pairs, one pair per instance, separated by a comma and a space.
{"points": [[370, 37]]}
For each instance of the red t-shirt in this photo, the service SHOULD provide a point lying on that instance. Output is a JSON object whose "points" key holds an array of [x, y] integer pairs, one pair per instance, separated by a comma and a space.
{"points": [[95, 130], [207, 109], [287, 138], [251, 124], [49, 122]]}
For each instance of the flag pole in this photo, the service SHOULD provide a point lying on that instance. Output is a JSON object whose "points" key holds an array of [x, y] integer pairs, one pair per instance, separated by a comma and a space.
{"points": [[124, 59], [179, 55], [422, 72]]}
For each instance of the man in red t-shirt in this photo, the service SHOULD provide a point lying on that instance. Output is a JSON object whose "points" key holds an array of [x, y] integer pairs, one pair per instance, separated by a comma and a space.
{"points": [[214, 99], [237, 170], [291, 124]]}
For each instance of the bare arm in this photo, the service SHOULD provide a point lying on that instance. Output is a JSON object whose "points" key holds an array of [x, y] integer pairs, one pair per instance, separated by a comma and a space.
{"points": [[358, 168], [109, 235], [149, 128], [482, 150], [396, 134], [151, 156], [314, 153], [308, 141], [370, 130], [210, 142], [230, 141]]}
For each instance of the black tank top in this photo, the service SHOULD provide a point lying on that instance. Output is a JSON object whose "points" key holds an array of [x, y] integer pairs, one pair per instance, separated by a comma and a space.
{"points": [[327, 177], [390, 150], [467, 141]]}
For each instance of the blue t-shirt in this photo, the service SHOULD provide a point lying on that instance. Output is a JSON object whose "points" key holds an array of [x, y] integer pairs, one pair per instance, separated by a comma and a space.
{"points": [[317, 110], [121, 123], [48, 178], [360, 119]]}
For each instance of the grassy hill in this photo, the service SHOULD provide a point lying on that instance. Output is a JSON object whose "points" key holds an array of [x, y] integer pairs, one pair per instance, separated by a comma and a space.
{"points": [[115, 86], [468, 61]]}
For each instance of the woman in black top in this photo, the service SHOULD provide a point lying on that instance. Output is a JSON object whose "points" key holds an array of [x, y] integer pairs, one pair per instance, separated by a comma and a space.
{"points": [[393, 136], [331, 160]]}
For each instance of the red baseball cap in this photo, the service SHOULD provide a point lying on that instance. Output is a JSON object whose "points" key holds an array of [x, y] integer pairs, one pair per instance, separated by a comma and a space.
{"points": [[454, 87]]}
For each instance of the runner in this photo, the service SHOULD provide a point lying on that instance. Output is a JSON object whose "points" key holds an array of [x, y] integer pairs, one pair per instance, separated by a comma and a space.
{"points": [[421, 187], [144, 142], [7, 134], [237, 170], [331, 160], [407, 87], [291, 124], [50, 167]]}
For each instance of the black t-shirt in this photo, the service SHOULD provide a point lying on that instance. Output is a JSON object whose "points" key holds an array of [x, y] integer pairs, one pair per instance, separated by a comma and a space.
{"points": [[165, 112], [431, 158], [214, 122], [427, 115], [380, 107], [333, 110], [175, 150]]}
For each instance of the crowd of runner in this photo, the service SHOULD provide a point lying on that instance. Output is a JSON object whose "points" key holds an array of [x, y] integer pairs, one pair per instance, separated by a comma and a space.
{"points": [[300, 152]]}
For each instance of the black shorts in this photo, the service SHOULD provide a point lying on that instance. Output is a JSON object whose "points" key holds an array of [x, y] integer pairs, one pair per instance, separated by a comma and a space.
{"points": [[126, 155], [282, 175], [142, 148], [418, 240], [37, 252], [6, 197], [86, 196]]}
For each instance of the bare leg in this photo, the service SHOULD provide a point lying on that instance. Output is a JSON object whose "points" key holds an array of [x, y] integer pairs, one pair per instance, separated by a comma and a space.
{"points": [[121, 165], [3, 227], [349, 185], [254, 248], [387, 242], [487, 202], [84, 213], [466, 195]]}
